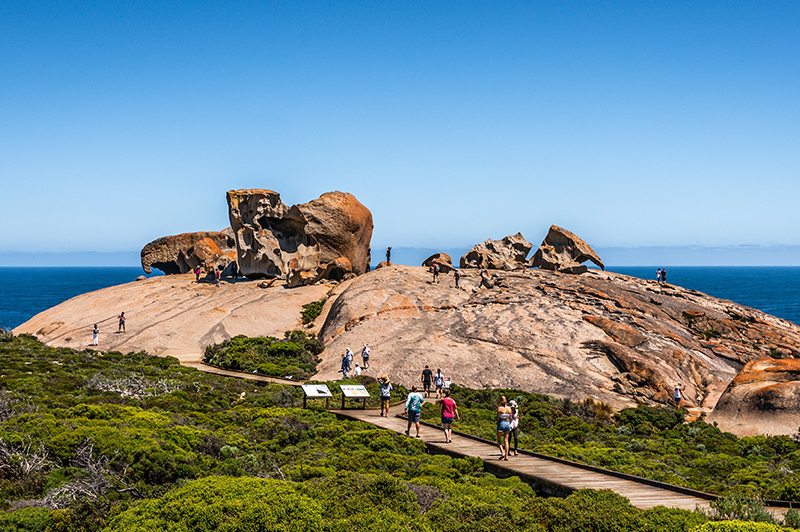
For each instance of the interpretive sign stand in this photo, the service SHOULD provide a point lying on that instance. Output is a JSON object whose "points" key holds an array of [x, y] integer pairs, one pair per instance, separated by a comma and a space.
{"points": [[447, 383], [316, 391], [354, 391]]}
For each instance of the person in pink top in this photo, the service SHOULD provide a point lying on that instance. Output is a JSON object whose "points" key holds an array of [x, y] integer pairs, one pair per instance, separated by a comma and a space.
{"points": [[449, 412]]}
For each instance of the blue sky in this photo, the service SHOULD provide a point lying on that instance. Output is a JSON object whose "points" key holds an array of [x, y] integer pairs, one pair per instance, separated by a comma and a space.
{"points": [[629, 123]]}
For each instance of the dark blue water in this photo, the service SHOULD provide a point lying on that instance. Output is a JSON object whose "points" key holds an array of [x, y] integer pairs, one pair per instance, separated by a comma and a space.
{"points": [[25, 292]]}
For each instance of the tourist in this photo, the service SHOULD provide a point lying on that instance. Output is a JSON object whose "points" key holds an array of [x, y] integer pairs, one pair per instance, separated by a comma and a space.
{"points": [[658, 275], [427, 374], [121, 318], [365, 356], [389, 255], [349, 356], [663, 275], [503, 427], [435, 270], [95, 334], [197, 274], [677, 394], [235, 270], [217, 274], [514, 424], [345, 367], [414, 409], [438, 382], [386, 394], [456, 276], [357, 371], [449, 412]]}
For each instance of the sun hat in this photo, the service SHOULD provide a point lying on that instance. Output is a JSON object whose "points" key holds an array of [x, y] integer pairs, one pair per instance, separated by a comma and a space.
{"points": [[385, 377], [512, 404]]}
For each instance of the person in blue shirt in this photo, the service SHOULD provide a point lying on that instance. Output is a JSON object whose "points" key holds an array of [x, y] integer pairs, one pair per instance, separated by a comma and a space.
{"points": [[414, 409]]}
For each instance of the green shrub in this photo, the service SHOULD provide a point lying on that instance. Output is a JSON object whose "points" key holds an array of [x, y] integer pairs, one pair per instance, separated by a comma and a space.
{"points": [[295, 355], [25, 520], [312, 310], [738, 526]]}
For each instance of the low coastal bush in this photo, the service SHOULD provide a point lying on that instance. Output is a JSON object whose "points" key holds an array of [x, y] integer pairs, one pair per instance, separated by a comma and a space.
{"points": [[311, 311], [295, 355]]}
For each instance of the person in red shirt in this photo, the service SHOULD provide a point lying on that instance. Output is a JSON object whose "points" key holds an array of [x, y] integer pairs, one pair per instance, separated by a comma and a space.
{"points": [[449, 412]]}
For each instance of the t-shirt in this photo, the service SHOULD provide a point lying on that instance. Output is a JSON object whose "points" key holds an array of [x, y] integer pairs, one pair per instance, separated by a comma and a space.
{"points": [[448, 407], [439, 380], [426, 375], [677, 393], [414, 402], [365, 352], [386, 388], [514, 419]]}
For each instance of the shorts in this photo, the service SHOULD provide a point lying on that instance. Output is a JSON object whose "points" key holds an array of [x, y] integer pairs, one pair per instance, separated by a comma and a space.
{"points": [[447, 420], [503, 426], [413, 416], [426, 386], [385, 399]]}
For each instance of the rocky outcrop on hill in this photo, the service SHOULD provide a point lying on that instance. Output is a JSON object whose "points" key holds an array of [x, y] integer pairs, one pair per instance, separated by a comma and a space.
{"points": [[510, 253], [325, 238], [612, 337], [764, 398], [182, 253], [442, 259], [562, 251]]}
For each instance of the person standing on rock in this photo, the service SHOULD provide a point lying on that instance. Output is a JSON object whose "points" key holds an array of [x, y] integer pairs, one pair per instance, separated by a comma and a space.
{"points": [[503, 427], [414, 409], [365, 356], [95, 334], [427, 374], [456, 276], [217, 275], [357, 371], [449, 412], [344, 367], [658, 275], [663, 275], [435, 269], [197, 274], [677, 394], [348, 355], [386, 394], [121, 318], [389, 255]]}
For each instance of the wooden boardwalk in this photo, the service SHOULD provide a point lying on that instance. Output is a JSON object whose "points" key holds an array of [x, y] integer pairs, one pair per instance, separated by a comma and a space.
{"points": [[547, 475]]}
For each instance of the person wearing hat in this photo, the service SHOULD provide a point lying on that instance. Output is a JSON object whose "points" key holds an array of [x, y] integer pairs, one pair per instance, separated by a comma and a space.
{"points": [[386, 394], [514, 424], [357, 371]]}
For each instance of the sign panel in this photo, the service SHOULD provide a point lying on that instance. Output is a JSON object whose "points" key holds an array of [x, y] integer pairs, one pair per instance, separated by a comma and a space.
{"points": [[316, 391], [446, 382], [354, 391]]}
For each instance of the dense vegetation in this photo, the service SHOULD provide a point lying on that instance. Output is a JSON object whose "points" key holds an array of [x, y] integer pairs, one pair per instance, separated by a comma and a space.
{"points": [[295, 356], [644, 441], [134, 443], [312, 310]]}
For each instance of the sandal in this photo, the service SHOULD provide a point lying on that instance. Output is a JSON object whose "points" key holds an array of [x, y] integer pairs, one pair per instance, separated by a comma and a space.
{"points": [[406, 433]]}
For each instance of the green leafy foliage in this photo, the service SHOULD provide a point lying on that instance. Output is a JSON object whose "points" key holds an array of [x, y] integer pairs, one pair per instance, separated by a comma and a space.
{"points": [[294, 355], [312, 310]]}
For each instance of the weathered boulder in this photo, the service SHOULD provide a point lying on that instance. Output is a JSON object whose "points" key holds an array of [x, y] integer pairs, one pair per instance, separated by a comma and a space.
{"points": [[274, 240], [182, 253], [443, 259], [510, 253], [764, 398], [562, 251]]}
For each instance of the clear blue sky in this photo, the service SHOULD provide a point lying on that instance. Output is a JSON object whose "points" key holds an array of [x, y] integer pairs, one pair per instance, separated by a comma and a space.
{"points": [[629, 123]]}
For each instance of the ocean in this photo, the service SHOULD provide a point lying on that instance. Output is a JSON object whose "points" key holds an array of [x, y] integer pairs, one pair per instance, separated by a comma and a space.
{"points": [[27, 291]]}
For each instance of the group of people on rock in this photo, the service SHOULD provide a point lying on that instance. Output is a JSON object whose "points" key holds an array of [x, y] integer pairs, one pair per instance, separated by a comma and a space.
{"points": [[96, 329], [347, 362], [661, 275]]}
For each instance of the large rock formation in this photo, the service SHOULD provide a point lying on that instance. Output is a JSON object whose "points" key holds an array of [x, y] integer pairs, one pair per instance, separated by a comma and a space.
{"points": [[182, 253], [562, 251], [325, 238], [510, 253], [764, 398], [442, 259]]}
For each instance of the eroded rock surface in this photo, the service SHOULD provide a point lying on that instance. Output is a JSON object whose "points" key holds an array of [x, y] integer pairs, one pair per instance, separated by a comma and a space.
{"points": [[616, 338], [510, 253], [561, 250], [182, 253], [442, 259], [764, 398], [300, 242]]}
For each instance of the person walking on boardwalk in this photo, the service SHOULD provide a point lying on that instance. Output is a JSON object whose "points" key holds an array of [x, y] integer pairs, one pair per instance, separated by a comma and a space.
{"points": [[95, 334], [449, 412], [365, 356], [438, 382], [121, 319], [386, 394], [427, 374], [503, 427], [414, 409], [514, 424]]}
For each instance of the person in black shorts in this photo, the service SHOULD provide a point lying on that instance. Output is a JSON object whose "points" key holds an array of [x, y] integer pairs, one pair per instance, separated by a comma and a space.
{"points": [[427, 376]]}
